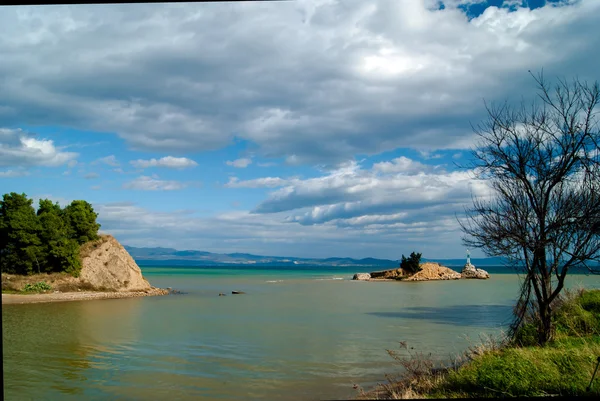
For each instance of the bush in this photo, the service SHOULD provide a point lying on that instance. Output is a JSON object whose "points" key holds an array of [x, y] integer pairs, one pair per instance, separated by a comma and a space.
{"points": [[411, 265], [590, 301], [526, 336], [37, 287]]}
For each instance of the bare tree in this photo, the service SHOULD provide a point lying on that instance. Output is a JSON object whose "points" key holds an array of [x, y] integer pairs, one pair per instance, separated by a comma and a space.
{"points": [[542, 162]]}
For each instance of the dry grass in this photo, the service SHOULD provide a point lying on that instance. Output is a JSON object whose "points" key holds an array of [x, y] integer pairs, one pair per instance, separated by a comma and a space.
{"points": [[63, 282], [88, 247]]}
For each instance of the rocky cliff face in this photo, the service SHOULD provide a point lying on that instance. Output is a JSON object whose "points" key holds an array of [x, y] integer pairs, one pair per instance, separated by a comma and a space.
{"points": [[107, 265]]}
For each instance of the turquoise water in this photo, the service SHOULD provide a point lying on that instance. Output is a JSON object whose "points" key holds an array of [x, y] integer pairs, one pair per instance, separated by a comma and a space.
{"points": [[295, 335]]}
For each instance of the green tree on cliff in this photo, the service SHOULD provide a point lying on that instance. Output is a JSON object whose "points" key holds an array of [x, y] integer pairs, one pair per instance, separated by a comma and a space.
{"points": [[20, 244], [81, 220], [412, 263], [61, 252], [46, 241]]}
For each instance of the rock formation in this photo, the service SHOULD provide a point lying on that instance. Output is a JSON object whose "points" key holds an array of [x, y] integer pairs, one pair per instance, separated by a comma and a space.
{"points": [[433, 271], [362, 276], [107, 265], [470, 271], [429, 271], [387, 274]]}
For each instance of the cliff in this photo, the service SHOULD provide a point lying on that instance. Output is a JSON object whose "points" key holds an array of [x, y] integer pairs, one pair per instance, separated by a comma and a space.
{"points": [[107, 265]]}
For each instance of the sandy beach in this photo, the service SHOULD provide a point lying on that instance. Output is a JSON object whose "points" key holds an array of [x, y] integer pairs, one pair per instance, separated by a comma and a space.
{"points": [[77, 296]]}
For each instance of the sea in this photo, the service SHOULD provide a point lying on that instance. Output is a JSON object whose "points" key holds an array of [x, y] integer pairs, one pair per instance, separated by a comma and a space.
{"points": [[300, 333]]}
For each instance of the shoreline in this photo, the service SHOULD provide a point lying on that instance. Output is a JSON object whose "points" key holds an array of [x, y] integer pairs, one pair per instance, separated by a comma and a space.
{"points": [[21, 299]]}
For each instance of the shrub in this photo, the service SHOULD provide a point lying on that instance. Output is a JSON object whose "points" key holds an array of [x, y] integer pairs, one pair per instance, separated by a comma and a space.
{"points": [[37, 287], [590, 301], [411, 264]]}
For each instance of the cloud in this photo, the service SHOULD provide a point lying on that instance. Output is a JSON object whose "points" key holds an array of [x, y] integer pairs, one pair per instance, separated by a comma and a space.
{"points": [[401, 191], [239, 163], [167, 161], [265, 182], [401, 165], [108, 160], [91, 176], [324, 80], [241, 231], [21, 149], [13, 173], [146, 183]]}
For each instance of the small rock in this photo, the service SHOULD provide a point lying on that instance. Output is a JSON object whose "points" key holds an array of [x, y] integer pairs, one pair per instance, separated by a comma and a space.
{"points": [[221, 294], [237, 292], [471, 272], [361, 276]]}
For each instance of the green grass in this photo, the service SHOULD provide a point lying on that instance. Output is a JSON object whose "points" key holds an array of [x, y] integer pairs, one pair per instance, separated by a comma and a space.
{"points": [[563, 367], [38, 287]]}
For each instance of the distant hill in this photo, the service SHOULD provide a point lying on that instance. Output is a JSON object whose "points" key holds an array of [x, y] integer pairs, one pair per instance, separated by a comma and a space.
{"points": [[170, 256]]}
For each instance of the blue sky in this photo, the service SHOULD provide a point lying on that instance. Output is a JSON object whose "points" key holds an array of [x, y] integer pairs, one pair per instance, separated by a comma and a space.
{"points": [[308, 129]]}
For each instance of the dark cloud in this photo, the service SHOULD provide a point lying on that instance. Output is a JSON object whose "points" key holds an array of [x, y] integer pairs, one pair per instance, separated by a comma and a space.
{"points": [[320, 81]]}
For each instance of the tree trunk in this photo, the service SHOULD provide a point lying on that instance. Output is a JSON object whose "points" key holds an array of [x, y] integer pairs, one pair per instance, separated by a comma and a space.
{"points": [[545, 324]]}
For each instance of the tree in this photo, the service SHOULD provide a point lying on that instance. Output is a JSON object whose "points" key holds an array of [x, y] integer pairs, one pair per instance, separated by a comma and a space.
{"points": [[411, 265], [20, 245], [543, 165], [81, 219], [61, 253]]}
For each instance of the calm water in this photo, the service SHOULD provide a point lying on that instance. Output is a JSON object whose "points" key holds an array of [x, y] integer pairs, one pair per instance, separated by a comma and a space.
{"points": [[294, 336]]}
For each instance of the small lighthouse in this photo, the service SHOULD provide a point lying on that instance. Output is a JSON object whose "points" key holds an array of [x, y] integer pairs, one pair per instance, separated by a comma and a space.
{"points": [[468, 257]]}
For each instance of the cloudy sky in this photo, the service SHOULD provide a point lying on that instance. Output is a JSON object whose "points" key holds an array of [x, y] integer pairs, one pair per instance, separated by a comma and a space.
{"points": [[308, 128]]}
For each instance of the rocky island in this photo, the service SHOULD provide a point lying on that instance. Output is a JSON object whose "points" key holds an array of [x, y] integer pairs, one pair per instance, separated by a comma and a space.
{"points": [[426, 272]]}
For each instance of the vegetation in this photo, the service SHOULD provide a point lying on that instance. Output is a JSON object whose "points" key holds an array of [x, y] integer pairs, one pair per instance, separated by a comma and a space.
{"points": [[411, 264], [37, 287], [543, 166], [503, 366], [46, 240]]}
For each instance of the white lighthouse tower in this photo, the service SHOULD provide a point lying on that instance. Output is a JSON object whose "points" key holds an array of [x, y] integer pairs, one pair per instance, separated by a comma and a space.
{"points": [[468, 257]]}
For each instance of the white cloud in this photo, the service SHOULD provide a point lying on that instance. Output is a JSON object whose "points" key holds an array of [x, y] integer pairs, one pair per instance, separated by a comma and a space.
{"points": [[403, 188], [167, 161], [21, 149], [239, 163], [146, 183], [108, 160], [91, 176], [13, 173], [401, 165], [265, 182]]}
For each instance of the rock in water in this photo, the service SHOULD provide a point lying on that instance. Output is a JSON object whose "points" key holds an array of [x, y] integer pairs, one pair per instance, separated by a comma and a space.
{"points": [[237, 292], [387, 274], [470, 271], [106, 264], [361, 276]]}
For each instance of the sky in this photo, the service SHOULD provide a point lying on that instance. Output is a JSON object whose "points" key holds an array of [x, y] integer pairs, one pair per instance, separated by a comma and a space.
{"points": [[317, 128]]}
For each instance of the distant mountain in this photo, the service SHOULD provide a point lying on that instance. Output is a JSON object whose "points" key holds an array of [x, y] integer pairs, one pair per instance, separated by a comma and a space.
{"points": [[170, 256]]}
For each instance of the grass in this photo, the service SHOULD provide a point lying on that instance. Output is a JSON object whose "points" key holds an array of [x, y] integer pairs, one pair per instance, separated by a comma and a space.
{"points": [[500, 367], [62, 282], [88, 247]]}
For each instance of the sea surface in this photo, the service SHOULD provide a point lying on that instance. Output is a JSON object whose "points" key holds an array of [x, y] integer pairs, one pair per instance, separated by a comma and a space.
{"points": [[304, 334]]}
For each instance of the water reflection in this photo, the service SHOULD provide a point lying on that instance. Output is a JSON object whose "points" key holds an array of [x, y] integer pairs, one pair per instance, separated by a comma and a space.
{"points": [[58, 343], [456, 315]]}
